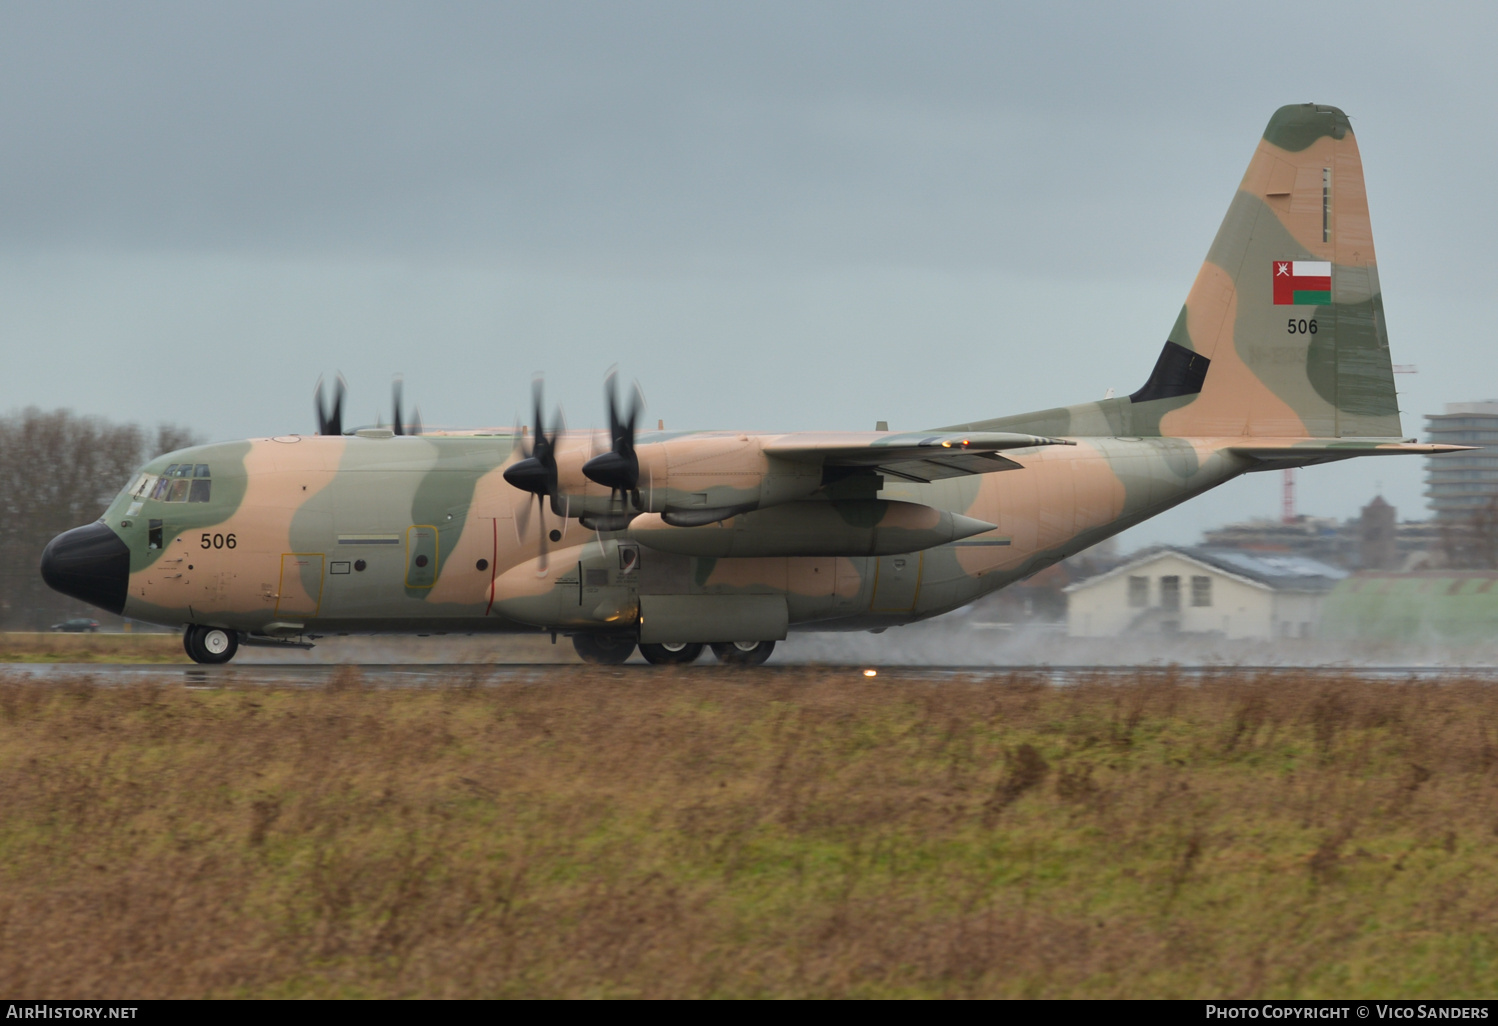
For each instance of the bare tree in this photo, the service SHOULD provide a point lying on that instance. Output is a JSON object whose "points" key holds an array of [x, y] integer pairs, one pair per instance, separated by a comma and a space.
{"points": [[57, 471], [170, 438]]}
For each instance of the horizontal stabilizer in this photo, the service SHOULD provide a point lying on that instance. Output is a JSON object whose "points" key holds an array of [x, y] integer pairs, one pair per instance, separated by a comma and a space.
{"points": [[1277, 455]]}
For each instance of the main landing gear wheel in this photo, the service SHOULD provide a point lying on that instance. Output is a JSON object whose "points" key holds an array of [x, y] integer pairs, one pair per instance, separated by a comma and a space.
{"points": [[603, 649], [743, 653], [210, 645], [671, 654]]}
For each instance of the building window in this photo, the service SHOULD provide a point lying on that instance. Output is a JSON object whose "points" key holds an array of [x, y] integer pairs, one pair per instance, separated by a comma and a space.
{"points": [[1201, 591], [1170, 593], [1139, 592]]}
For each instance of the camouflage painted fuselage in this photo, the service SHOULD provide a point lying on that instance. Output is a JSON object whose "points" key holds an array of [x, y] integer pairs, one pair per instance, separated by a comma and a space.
{"points": [[363, 534], [297, 506]]}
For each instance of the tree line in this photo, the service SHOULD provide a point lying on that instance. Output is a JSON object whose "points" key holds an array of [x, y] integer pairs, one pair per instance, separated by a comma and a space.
{"points": [[59, 470]]}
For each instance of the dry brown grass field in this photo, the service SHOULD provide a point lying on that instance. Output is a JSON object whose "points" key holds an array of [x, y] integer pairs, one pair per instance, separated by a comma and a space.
{"points": [[48, 647], [782, 832]]}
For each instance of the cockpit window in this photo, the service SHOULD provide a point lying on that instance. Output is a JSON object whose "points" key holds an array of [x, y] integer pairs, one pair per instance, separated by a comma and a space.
{"points": [[180, 482]]}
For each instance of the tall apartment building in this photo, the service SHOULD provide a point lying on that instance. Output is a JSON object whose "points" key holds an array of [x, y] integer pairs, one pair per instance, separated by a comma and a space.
{"points": [[1458, 486]]}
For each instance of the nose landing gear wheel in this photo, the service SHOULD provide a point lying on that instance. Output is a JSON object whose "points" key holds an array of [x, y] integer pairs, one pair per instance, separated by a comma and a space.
{"points": [[603, 649], [211, 645], [671, 654], [743, 653]]}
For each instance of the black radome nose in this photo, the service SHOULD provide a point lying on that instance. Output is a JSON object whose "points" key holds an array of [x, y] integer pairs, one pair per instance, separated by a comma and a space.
{"points": [[90, 563]]}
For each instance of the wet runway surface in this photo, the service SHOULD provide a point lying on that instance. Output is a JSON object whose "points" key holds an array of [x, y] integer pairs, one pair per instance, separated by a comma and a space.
{"points": [[449, 674]]}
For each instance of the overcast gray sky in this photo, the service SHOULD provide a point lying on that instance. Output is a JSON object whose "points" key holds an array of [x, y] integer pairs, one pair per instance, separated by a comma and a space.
{"points": [[775, 216]]}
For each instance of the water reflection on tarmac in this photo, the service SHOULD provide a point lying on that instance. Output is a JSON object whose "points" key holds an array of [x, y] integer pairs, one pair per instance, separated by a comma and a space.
{"points": [[449, 674]]}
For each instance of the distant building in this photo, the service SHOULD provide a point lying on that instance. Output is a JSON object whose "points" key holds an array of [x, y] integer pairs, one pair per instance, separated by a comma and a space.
{"points": [[1319, 538], [1373, 540], [1459, 485], [1221, 592], [1378, 544]]}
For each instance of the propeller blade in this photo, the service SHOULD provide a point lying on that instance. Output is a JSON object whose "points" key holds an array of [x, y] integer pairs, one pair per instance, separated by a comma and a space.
{"points": [[558, 429], [636, 407], [539, 430], [541, 561], [395, 389], [523, 519], [330, 421], [619, 469], [537, 471], [611, 395]]}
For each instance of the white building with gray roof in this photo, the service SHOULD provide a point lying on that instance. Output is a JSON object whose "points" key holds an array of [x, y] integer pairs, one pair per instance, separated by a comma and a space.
{"points": [[1224, 593]]}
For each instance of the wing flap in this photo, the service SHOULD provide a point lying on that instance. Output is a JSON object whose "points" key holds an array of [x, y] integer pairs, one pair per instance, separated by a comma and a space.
{"points": [[957, 465], [911, 457]]}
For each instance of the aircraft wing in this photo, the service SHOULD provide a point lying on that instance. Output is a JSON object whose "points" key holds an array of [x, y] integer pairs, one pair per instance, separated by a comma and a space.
{"points": [[910, 457]]}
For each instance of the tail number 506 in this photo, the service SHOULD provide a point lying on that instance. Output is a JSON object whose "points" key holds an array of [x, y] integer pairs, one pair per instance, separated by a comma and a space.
{"points": [[219, 541]]}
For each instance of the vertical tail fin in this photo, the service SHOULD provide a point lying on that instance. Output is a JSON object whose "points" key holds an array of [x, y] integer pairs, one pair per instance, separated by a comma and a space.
{"points": [[1283, 332]]}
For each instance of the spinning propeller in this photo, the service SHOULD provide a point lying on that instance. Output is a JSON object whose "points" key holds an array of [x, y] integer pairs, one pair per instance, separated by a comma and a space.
{"points": [[414, 428], [330, 418], [330, 421], [619, 468], [537, 472]]}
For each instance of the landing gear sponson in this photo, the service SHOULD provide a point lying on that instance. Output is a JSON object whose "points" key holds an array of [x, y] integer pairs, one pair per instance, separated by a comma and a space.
{"points": [[613, 649], [215, 645]]}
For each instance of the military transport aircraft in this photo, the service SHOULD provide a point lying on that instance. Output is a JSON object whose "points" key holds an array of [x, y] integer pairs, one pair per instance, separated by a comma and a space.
{"points": [[670, 541]]}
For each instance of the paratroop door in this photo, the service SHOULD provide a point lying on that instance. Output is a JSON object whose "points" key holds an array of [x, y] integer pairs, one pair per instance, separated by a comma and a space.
{"points": [[897, 579], [301, 584]]}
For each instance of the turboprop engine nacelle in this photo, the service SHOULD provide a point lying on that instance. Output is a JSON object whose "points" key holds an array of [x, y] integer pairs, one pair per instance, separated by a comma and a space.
{"points": [[701, 477], [861, 527]]}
